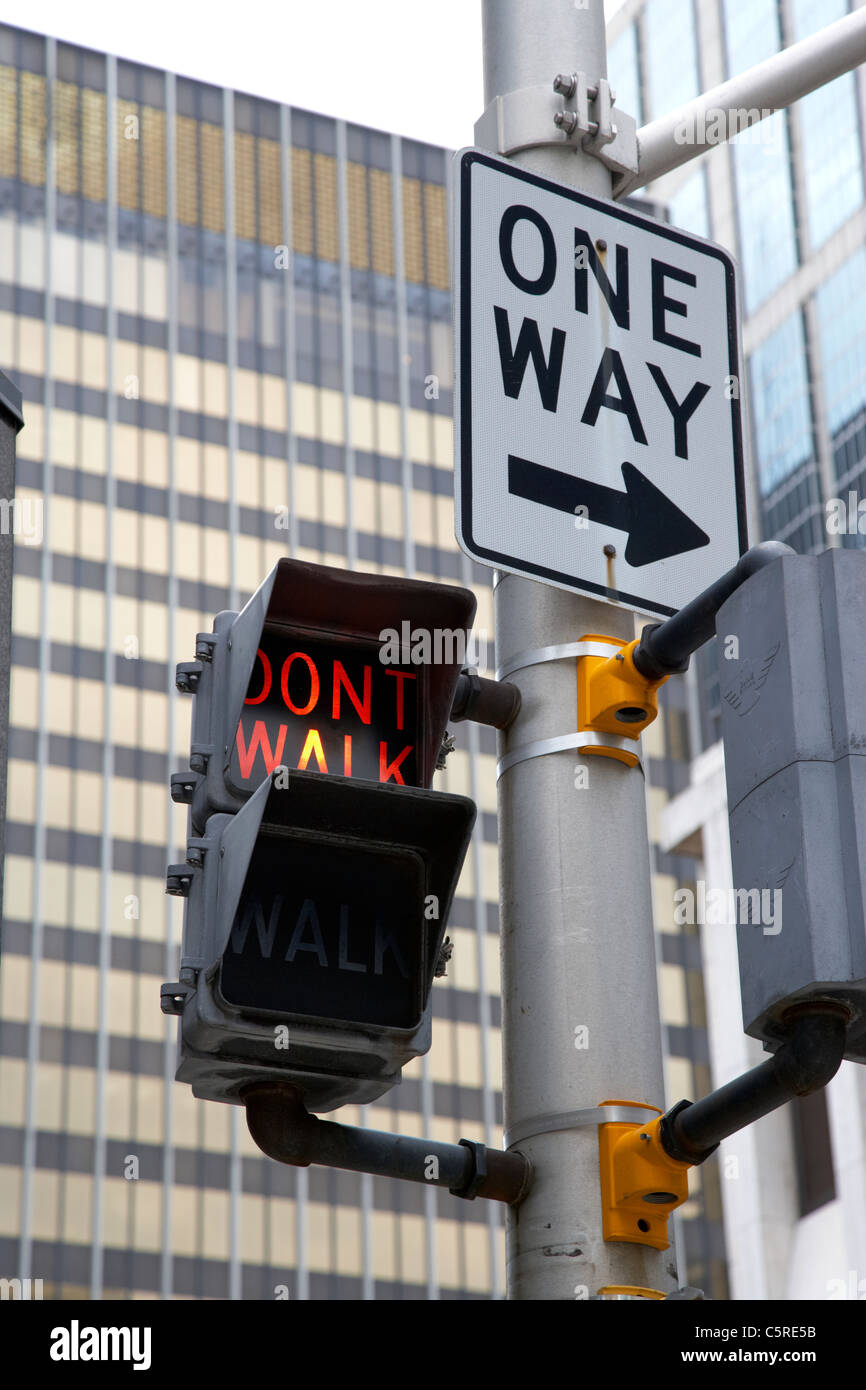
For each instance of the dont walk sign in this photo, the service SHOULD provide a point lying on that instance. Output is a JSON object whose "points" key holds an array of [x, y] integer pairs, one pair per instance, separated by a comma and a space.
{"points": [[598, 434]]}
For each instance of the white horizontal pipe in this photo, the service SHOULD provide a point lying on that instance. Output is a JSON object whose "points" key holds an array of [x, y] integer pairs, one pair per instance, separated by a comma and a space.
{"points": [[769, 86]]}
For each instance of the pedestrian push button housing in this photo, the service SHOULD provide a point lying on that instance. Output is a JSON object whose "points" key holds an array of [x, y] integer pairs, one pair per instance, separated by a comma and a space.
{"points": [[613, 697]]}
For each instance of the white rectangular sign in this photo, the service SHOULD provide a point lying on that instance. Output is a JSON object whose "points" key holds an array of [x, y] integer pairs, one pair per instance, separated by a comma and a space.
{"points": [[598, 432]]}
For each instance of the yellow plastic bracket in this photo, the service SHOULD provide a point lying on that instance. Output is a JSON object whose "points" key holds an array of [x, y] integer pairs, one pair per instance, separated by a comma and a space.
{"points": [[640, 1184], [613, 697], [629, 1291]]}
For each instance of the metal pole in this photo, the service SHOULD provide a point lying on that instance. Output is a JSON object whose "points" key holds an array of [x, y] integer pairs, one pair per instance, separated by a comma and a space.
{"points": [[683, 134], [576, 917]]}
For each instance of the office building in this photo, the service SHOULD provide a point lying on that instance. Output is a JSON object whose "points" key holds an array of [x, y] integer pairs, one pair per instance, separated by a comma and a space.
{"points": [[231, 324], [787, 198]]}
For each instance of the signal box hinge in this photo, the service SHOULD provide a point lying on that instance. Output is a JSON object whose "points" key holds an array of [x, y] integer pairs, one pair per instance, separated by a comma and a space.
{"points": [[187, 675], [199, 754], [613, 698], [182, 787], [173, 997], [178, 878], [640, 1184], [196, 847]]}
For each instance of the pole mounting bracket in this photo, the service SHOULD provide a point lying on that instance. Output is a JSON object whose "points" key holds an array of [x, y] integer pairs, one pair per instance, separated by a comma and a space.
{"points": [[641, 1184], [615, 701], [534, 118]]}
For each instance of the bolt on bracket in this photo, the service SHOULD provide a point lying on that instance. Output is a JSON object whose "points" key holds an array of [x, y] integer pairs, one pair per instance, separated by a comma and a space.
{"points": [[534, 117]]}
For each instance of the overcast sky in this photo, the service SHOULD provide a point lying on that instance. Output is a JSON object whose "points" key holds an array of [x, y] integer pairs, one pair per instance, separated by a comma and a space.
{"points": [[399, 65]]}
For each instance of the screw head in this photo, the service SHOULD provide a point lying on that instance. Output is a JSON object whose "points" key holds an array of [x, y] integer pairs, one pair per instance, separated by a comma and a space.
{"points": [[564, 83]]}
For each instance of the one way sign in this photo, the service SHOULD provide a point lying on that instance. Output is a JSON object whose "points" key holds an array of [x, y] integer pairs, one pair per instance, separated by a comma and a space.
{"points": [[598, 432]]}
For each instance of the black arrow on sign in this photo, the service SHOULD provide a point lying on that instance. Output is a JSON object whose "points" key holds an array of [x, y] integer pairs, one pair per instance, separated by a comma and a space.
{"points": [[656, 527]]}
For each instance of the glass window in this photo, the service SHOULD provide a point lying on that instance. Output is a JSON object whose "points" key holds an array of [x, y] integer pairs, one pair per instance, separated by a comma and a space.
{"points": [[780, 404], [441, 353], [840, 305], [670, 55], [762, 161], [374, 354], [32, 128], [624, 74], [271, 291], [201, 297], [688, 207], [381, 222], [260, 307], [832, 167], [318, 338], [93, 273], [813, 1150]]}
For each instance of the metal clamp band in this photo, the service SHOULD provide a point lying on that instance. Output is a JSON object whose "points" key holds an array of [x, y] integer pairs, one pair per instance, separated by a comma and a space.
{"points": [[562, 744], [538, 655], [577, 1119], [536, 750]]}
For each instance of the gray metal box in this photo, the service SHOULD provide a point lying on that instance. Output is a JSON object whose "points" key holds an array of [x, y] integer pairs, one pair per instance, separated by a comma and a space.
{"points": [[792, 664]]}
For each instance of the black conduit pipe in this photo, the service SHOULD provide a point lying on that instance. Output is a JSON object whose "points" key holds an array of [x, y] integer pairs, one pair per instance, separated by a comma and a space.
{"points": [[485, 701], [284, 1129], [664, 648], [808, 1058]]}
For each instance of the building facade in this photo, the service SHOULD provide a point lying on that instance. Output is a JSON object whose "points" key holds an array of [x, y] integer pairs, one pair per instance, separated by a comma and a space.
{"points": [[789, 202], [231, 324]]}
